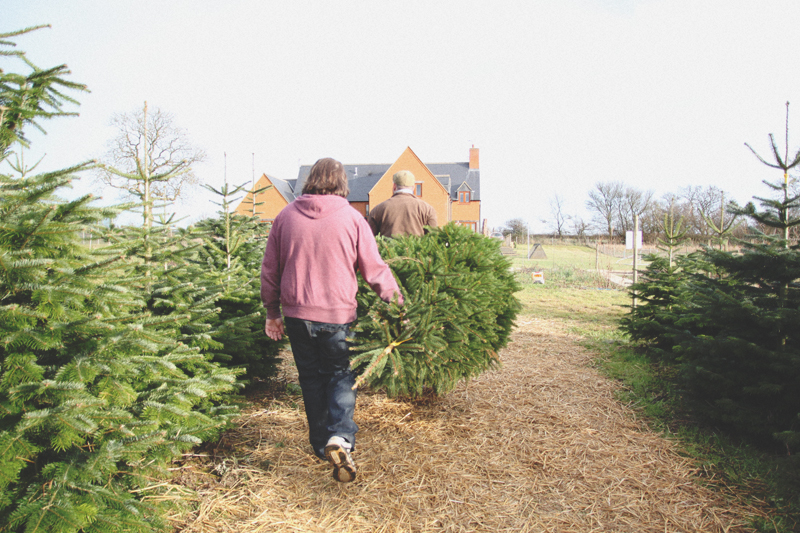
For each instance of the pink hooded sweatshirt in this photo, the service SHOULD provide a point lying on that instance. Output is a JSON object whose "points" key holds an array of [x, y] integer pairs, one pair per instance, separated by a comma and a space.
{"points": [[315, 246]]}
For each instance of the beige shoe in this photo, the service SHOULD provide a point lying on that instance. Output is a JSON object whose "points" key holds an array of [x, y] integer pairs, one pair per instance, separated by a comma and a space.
{"points": [[338, 453]]}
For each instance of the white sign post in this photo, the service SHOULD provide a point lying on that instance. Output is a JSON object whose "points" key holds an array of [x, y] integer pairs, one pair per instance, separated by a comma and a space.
{"points": [[629, 244], [635, 244]]}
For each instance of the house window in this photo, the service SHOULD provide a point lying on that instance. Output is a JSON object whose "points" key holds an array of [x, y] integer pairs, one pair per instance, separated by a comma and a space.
{"points": [[418, 188], [463, 197], [471, 225]]}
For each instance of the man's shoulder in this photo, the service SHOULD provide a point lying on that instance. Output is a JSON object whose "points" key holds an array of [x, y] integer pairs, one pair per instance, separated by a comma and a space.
{"points": [[380, 207], [424, 204], [390, 201], [405, 199]]}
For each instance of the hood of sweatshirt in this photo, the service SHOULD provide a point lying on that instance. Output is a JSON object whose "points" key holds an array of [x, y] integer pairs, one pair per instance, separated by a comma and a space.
{"points": [[320, 205]]}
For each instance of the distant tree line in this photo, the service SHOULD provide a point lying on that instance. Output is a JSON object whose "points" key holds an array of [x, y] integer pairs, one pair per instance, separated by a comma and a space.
{"points": [[707, 214], [704, 211]]}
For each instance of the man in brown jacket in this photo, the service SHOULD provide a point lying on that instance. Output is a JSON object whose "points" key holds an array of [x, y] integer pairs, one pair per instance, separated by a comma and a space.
{"points": [[403, 213]]}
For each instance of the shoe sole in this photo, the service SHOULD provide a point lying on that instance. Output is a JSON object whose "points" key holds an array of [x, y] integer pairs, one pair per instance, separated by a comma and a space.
{"points": [[344, 471]]}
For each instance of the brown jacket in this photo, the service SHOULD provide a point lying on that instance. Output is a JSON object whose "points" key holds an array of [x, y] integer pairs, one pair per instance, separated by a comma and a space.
{"points": [[402, 214]]}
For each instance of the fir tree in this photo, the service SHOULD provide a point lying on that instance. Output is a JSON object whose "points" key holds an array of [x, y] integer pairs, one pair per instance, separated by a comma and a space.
{"points": [[659, 288], [674, 232], [458, 313], [729, 322], [664, 292], [739, 349], [724, 229], [229, 264], [97, 393], [25, 99], [777, 212]]}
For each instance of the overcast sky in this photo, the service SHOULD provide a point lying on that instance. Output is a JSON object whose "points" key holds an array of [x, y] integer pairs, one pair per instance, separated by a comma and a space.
{"points": [[557, 95]]}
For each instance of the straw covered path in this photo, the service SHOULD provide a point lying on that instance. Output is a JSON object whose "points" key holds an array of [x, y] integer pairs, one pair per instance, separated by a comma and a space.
{"points": [[539, 444]]}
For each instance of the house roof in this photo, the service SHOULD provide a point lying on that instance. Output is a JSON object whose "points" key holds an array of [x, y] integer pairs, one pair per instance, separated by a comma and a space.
{"points": [[284, 187], [362, 178], [454, 175]]}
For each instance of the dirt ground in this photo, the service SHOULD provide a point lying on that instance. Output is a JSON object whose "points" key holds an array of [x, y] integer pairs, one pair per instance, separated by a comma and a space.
{"points": [[539, 444]]}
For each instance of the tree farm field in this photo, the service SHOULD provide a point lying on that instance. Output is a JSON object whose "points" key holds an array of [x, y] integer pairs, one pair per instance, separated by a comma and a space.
{"points": [[579, 266], [540, 443]]}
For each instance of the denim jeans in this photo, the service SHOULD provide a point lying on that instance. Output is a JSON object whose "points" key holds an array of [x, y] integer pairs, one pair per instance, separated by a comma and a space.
{"points": [[322, 355]]}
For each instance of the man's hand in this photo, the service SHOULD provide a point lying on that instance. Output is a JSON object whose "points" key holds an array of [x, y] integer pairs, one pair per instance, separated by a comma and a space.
{"points": [[274, 328]]}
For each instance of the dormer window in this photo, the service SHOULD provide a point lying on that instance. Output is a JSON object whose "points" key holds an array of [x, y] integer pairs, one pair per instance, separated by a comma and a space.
{"points": [[463, 197]]}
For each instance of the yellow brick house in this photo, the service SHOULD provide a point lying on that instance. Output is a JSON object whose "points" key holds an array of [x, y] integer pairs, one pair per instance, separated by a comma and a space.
{"points": [[453, 189]]}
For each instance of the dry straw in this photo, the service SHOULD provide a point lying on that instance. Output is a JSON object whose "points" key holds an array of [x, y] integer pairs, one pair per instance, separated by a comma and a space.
{"points": [[537, 445]]}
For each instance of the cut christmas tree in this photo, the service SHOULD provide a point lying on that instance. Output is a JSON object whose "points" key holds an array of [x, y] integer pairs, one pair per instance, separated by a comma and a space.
{"points": [[458, 313]]}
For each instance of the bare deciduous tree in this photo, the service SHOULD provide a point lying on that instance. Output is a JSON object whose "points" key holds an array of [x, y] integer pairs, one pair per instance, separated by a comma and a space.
{"points": [[699, 204], [604, 202], [579, 226], [517, 228], [559, 222], [150, 158], [633, 202]]}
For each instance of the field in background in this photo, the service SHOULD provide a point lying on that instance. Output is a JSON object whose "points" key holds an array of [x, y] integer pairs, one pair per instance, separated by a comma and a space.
{"points": [[614, 257], [574, 266]]}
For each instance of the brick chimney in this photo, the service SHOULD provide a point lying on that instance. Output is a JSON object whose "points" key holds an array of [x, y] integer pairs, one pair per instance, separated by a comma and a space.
{"points": [[473, 158]]}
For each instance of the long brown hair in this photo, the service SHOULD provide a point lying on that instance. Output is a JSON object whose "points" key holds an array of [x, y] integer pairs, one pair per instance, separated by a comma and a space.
{"points": [[327, 177]]}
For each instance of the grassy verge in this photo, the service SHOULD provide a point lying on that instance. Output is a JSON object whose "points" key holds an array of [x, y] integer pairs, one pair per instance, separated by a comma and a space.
{"points": [[592, 310], [766, 480]]}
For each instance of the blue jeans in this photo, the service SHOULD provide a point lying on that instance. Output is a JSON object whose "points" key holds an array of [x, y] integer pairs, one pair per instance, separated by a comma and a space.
{"points": [[322, 355]]}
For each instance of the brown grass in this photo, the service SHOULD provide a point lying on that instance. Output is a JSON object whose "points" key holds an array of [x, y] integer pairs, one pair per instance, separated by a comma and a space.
{"points": [[537, 445]]}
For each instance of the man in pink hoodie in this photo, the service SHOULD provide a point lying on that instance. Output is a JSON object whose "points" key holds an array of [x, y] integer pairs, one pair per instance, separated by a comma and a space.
{"points": [[315, 247]]}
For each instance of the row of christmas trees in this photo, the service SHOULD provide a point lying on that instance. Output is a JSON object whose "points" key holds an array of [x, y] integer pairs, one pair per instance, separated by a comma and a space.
{"points": [[115, 358], [726, 324]]}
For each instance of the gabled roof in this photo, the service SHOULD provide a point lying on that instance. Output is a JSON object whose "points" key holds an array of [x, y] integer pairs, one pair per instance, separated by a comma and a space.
{"points": [[452, 175], [361, 185], [362, 178], [283, 187]]}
